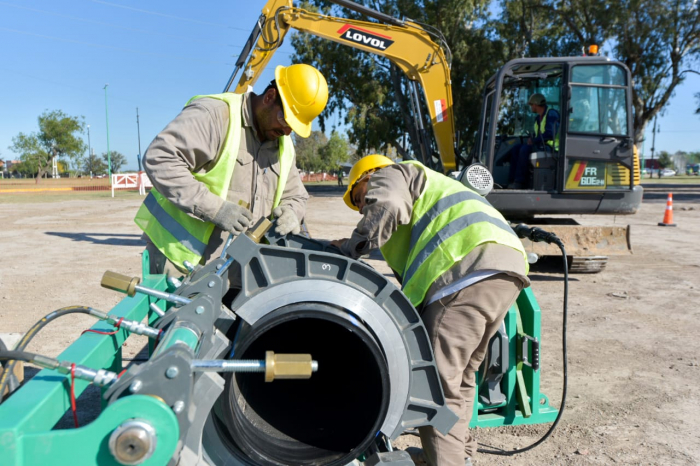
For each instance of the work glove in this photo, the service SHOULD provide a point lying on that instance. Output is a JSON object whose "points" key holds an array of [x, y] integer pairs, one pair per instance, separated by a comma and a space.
{"points": [[287, 221], [232, 218]]}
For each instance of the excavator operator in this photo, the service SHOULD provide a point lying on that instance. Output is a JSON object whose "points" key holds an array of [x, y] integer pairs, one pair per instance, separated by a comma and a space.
{"points": [[459, 263], [545, 137], [223, 163]]}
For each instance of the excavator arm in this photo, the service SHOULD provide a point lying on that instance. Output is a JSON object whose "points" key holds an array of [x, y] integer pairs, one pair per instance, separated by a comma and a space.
{"points": [[406, 44]]}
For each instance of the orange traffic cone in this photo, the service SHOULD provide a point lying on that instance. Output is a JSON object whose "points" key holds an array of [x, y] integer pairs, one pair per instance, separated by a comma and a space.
{"points": [[668, 215]]}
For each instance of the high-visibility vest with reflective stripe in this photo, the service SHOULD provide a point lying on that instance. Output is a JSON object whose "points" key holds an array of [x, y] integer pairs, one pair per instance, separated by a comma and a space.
{"points": [[539, 129], [448, 222], [182, 237]]}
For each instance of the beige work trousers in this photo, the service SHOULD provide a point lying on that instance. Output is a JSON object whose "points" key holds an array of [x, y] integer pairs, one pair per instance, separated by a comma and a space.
{"points": [[460, 326]]}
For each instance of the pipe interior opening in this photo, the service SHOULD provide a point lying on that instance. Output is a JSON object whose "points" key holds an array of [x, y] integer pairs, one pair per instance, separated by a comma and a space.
{"points": [[330, 418]]}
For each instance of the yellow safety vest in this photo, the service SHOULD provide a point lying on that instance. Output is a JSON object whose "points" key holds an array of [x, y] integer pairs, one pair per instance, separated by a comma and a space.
{"points": [[182, 237], [539, 129], [448, 222]]}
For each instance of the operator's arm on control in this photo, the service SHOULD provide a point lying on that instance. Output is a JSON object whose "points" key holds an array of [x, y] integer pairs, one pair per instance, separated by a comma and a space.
{"points": [[189, 144], [389, 203]]}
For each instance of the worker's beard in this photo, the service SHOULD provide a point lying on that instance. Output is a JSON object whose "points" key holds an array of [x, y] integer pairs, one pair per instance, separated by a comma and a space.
{"points": [[267, 126]]}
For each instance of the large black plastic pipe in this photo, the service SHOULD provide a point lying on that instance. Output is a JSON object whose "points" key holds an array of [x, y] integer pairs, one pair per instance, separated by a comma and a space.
{"points": [[331, 418]]}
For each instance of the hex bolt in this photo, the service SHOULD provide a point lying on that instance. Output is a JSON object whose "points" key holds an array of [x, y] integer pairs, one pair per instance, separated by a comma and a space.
{"points": [[133, 442], [135, 386], [174, 282], [178, 406], [199, 310], [172, 372]]}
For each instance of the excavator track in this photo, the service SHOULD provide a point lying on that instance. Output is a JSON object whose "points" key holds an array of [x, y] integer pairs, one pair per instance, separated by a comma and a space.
{"points": [[587, 264]]}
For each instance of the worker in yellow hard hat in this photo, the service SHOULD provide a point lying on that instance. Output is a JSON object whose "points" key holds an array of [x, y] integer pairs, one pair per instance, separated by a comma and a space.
{"points": [[225, 162], [545, 136], [459, 263]]}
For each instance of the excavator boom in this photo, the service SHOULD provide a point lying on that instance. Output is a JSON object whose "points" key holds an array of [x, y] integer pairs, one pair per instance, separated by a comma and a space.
{"points": [[406, 44]]}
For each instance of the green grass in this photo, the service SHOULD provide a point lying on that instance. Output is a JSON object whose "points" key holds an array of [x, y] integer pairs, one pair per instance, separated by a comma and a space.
{"points": [[678, 179]]}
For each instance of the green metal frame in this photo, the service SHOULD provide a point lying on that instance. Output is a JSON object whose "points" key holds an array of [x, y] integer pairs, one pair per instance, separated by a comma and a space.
{"points": [[29, 415], [510, 413]]}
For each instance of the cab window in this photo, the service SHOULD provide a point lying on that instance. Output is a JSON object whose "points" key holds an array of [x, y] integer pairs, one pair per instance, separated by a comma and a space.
{"points": [[598, 100]]}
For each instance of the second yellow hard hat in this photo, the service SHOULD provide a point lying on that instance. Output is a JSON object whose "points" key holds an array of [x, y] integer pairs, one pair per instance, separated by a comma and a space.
{"points": [[363, 166]]}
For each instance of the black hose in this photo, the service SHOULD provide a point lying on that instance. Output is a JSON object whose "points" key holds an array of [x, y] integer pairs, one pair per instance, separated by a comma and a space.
{"points": [[12, 382], [17, 356], [2, 348], [10, 365], [558, 242]]}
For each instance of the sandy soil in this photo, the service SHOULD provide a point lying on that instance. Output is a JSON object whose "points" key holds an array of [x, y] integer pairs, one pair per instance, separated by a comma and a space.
{"points": [[634, 379]]}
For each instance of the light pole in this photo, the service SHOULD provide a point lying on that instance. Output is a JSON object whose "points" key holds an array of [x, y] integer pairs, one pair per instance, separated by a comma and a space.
{"points": [[109, 155], [138, 129], [89, 148], [653, 143]]}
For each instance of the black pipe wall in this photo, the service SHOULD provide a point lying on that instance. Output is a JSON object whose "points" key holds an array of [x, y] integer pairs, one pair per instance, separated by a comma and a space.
{"points": [[330, 418]]}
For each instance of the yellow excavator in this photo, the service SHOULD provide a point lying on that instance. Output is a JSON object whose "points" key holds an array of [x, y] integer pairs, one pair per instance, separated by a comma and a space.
{"points": [[419, 52], [594, 169]]}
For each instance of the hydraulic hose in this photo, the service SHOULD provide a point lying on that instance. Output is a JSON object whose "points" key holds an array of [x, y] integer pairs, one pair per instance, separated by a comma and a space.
{"points": [[536, 234], [17, 356], [10, 364], [12, 380]]}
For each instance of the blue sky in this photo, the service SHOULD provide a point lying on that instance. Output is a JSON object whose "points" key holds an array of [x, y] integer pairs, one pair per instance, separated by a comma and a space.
{"points": [[155, 55]]}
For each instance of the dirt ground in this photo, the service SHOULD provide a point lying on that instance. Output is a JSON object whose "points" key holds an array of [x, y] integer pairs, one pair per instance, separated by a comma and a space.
{"points": [[633, 346]]}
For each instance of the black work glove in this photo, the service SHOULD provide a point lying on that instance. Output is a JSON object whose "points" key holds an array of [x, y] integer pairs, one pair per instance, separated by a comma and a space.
{"points": [[232, 218], [287, 221]]}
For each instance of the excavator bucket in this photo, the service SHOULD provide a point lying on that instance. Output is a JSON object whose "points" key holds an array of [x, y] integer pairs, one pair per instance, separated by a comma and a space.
{"points": [[587, 247]]}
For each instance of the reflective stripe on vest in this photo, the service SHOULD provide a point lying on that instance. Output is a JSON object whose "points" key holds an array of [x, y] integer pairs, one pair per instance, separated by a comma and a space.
{"points": [[539, 129], [181, 237], [447, 223], [178, 231]]}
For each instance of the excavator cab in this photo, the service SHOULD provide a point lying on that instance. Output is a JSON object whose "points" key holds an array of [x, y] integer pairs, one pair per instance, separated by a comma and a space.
{"points": [[589, 165]]}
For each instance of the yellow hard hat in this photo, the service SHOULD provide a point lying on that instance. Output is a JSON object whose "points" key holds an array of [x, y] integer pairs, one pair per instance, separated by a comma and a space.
{"points": [[537, 99], [365, 165], [304, 93]]}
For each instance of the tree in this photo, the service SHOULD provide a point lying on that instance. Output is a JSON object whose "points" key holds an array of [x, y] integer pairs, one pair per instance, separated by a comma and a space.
{"points": [[118, 160], [56, 138], [26, 170], [665, 159], [335, 153], [658, 40], [94, 166], [307, 150]]}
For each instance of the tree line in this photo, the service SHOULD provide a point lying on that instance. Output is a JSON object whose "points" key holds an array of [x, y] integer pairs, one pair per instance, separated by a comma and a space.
{"points": [[318, 153], [658, 40], [59, 138]]}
